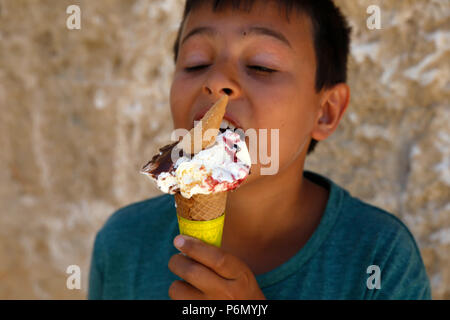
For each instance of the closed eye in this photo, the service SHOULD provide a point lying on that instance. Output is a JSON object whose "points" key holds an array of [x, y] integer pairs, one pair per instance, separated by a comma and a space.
{"points": [[262, 69], [257, 68], [195, 68]]}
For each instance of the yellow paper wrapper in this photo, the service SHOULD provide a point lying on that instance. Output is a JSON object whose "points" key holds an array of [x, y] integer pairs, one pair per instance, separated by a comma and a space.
{"points": [[209, 231]]}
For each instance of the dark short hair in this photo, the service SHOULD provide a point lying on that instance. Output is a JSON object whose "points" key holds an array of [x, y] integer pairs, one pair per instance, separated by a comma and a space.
{"points": [[331, 34]]}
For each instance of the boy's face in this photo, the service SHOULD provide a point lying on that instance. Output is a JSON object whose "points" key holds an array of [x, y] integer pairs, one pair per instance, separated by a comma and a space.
{"points": [[284, 100]]}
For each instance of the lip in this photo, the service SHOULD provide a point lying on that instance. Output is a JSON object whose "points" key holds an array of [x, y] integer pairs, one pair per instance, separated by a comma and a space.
{"points": [[230, 117]]}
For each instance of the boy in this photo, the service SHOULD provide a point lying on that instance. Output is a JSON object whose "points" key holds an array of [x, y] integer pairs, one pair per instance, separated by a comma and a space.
{"points": [[292, 235]]}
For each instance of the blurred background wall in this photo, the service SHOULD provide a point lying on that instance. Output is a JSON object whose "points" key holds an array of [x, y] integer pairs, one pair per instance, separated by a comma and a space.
{"points": [[82, 110]]}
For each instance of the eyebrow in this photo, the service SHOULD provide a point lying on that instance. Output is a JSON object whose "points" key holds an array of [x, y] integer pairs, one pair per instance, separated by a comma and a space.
{"points": [[254, 30]]}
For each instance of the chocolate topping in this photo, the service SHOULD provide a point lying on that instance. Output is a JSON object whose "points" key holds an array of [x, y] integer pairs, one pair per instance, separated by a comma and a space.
{"points": [[161, 162]]}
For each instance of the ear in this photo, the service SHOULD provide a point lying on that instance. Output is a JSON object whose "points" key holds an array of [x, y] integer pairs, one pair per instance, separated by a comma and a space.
{"points": [[333, 103]]}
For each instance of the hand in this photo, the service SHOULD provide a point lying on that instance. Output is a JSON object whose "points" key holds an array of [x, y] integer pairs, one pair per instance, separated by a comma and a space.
{"points": [[210, 273]]}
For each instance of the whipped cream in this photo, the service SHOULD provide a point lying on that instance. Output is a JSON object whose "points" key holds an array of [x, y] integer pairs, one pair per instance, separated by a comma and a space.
{"points": [[221, 167]]}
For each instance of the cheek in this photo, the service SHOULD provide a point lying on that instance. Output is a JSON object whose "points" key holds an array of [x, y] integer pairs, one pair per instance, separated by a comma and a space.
{"points": [[293, 118], [282, 103], [179, 105], [294, 133]]}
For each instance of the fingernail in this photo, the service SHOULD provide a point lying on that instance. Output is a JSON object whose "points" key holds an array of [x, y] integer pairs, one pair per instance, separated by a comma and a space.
{"points": [[179, 241]]}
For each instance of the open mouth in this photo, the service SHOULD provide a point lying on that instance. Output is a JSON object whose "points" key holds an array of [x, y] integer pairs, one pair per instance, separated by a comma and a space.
{"points": [[227, 125], [229, 122]]}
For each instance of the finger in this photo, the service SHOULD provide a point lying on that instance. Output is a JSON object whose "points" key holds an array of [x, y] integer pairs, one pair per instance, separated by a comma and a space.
{"points": [[196, 274], [181, 290], [224, 264]]}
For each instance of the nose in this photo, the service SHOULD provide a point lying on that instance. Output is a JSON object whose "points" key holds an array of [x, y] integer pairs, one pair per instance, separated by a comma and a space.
{"points": [[207, 89], [221, 81]]}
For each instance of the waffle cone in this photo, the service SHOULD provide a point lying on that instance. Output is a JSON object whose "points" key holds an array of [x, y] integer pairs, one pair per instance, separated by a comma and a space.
{"points": [[201, 207], [206, 130]]}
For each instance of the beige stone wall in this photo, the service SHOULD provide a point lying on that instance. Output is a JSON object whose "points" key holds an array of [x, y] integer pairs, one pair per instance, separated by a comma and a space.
{"points": [[82, 110]]}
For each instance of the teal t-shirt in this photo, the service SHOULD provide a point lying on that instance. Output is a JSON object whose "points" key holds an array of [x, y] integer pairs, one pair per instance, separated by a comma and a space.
{"points": [[358, 251]]}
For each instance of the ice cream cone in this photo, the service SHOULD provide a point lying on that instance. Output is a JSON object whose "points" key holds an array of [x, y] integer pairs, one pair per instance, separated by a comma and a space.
{"points": [[202, 216], [201, 207], [200, 177]]}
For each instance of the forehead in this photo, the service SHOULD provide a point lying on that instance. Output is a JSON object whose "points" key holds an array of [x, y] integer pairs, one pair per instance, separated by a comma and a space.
{"points": [[290, 27]]}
